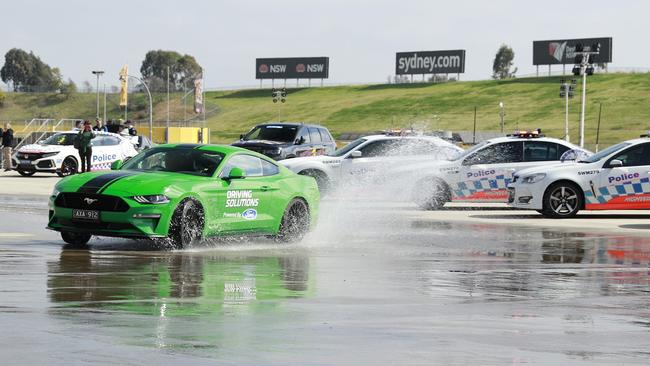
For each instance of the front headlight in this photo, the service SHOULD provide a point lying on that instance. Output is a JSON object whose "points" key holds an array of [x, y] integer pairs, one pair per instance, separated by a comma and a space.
{"points": [[55, 192], [533, 178], [153, 199], [49, 155]]}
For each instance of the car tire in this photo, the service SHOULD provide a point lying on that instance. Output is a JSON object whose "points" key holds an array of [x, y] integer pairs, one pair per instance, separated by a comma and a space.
{"points": [[321, 178], [431, 194], [69, 167], [562, 200], [295, 222], [186, 226], [75, 239], [26, 173]]}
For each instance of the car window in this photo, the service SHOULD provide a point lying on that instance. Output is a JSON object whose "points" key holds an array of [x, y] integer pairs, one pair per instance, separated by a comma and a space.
{"points": [[379, 148], [269, 168], [638, 155], [314, 135], [187, 161], [500, 153], [251, 165], [282, 133], [61, 139], [325, 135], [543, 151], [304, 134], [98, 141]]}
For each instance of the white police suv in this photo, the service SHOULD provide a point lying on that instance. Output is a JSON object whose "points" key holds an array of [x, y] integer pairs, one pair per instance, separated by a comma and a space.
{"points": [[482, 173], [371, 154], [617, 178], [56, 154]]}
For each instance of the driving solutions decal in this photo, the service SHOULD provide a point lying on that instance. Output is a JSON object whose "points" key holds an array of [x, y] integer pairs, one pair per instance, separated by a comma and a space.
{"points": [[241, 198]]}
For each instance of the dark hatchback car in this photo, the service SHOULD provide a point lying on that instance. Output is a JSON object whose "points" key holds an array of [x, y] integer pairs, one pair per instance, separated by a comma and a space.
{"points": [[288, 140]]}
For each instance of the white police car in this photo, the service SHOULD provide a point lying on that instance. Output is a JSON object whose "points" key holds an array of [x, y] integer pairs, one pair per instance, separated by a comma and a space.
{"points": [[482, 173], [617, 178], [371, 154], [56, 154]]}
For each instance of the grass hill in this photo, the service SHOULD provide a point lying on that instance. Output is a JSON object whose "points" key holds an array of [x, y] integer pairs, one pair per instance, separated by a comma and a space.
{"points": [[529, 103]]}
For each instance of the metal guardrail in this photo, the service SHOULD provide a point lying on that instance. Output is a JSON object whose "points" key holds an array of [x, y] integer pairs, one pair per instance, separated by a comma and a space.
{"points": [[47, 125]]}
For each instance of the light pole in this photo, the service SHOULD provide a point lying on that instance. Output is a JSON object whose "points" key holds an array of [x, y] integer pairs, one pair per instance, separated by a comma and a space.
{"points": [[502, 114], [98, 73], [566, 92], [150, 104], [583, 67]]}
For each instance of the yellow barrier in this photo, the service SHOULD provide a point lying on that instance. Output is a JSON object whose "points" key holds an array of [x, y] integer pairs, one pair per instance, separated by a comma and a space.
{"points": [[178, 134]]}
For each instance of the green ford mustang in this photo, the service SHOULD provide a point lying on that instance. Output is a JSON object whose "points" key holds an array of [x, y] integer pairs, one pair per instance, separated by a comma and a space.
{"points": [[182, 193]]}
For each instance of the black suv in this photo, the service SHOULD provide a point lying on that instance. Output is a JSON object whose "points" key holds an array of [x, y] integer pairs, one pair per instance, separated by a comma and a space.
{"points": [[288, 140]]}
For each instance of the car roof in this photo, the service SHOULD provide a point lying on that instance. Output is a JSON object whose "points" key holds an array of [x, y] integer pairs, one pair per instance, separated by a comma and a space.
{"points": [[292, 124], [547, 139], [101, 133], [224, 149], [392, 137], [638, 140]]}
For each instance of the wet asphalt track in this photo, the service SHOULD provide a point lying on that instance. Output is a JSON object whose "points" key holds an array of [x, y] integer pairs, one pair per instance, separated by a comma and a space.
{"points": [[369, 287]]}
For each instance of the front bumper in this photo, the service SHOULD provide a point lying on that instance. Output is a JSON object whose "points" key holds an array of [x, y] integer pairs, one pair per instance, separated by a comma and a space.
{"points": [[521, 196], [40, 165], [137, 221]]}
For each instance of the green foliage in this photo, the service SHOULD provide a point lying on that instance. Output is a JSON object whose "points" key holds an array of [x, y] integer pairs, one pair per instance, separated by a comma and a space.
{"points": [[503, 63], [69, 89], [27, 72], [182, 70], [2, 98]]}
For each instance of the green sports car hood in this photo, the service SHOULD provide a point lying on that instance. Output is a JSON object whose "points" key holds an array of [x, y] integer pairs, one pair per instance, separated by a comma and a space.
{"points": [[122, 182]]}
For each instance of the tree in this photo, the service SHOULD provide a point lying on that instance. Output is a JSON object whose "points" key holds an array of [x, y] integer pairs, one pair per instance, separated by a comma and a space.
{"points": [[503, 63], [88, 87], [182, 70], [69, 89], [27, 72]]}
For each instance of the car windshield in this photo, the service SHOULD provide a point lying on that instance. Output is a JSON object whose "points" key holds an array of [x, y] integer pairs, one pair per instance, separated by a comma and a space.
{"points": [[61, 139], [347, 148], [470, 150], [599, 155], [177, 160], [280, 133]]}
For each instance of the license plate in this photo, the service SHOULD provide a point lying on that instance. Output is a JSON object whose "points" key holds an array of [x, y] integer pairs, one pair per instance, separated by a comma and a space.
{"points": [[87, 215], [25, 162]]}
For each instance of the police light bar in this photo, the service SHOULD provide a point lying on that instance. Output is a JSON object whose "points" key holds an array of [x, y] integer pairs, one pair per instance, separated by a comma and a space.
{"points": [[524, 134], [646, 135]]}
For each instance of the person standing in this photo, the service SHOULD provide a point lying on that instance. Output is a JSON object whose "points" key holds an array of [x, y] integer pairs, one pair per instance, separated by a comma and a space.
{"points": [[129, 126], [84, 145], [99, 126], [1, 133], [7, 143]]}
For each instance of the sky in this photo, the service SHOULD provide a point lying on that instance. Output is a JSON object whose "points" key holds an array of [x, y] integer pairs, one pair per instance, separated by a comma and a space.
{"points": [[360, 37]]}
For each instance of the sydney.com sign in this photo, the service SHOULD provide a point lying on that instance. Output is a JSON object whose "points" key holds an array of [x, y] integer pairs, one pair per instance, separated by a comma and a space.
{"points": [[292, 68], [430, 62]]}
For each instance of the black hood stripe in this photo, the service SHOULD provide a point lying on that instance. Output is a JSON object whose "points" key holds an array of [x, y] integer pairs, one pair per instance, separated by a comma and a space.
{"points": [[100, 183]]}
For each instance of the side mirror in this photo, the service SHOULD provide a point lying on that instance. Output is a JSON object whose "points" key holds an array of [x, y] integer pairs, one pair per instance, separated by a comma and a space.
{"points": [[116, 165], [615, 163], [236, 173], [241, 137], [356, 154], [299, 141]]}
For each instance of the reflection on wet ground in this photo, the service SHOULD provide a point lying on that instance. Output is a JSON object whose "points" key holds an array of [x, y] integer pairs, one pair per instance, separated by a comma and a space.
{"points": [[368, 287]]}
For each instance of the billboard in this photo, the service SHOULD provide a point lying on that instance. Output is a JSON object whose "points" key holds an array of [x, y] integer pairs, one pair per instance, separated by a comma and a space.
{"points": [[292, 68], [430, 62], [562, 51]]}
